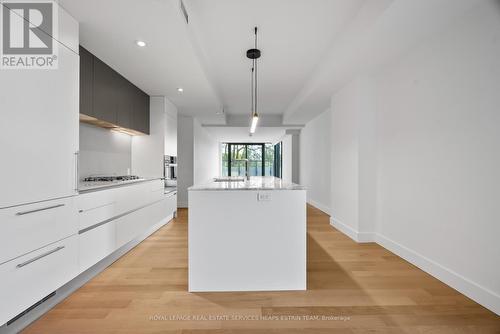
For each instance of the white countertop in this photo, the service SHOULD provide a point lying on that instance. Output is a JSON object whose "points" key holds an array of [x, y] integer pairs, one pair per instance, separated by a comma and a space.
{"points": [[255, 183]]}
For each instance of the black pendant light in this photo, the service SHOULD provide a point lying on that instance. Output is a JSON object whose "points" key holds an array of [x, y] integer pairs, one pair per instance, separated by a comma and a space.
{"points": [[254, 54]]}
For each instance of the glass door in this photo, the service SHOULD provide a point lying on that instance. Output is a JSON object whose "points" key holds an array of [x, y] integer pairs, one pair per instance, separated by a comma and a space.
{"points": [[269, 160], [238, 159], [242, 159], [255, 159]]}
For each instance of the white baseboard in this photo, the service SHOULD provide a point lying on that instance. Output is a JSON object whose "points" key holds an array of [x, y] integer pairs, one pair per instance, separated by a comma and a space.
{"points": [[474, 291], [182, 205], [360, 237], [320, 206]]}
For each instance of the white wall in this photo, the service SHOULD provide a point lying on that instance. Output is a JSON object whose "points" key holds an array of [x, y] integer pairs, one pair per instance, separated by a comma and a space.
{"points": [[206, 155], [286, 156], [315, 162], [103, 152], [439, 140], [344, 154], [291, 156], [185, 158], [295, 156], [415, 156], [148, 151], [197, 157]]}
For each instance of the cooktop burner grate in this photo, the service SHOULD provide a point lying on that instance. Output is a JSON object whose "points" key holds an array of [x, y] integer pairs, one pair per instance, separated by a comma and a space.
{"points": [[111, 178]]}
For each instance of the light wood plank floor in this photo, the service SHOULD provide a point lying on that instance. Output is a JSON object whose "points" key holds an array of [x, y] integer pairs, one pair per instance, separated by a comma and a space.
{"points": [[366, 287]]}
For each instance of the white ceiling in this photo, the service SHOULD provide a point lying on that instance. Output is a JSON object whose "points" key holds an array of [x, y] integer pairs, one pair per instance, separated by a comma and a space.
{"points": [[110, 28], [381, 33], [310, 48], [293, 36]]}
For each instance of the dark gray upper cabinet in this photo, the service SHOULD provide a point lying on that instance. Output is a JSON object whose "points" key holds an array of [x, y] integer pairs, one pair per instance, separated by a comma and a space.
{"points": [[141, 112], [125, 104], [105, 92], [86, 82], [108, 96]]}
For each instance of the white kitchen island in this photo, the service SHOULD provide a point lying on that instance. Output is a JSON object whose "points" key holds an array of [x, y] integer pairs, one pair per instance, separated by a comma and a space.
{"points": [[247, 236]]}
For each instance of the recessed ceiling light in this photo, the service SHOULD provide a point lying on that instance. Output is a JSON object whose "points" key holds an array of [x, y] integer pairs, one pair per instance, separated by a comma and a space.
{"points": [[180, 89], [140, 43]]}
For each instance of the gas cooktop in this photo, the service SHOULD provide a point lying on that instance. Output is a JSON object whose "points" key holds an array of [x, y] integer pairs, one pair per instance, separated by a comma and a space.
{"points": [[111, 178]]}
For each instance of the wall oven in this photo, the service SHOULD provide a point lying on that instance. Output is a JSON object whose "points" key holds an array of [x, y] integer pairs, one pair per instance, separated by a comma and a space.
{"points": [[170, 171]]}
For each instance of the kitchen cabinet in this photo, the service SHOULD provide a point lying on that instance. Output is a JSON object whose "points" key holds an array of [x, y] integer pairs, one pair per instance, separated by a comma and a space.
{"points": [[39, 135], [28, 227], [171, 135], [86, 82], [105, 92], [109, 99], [113, 217], [96, 244], [39, 130], [46, 245], [67, 34], [32, 277], [141, 112], [125, 107]]}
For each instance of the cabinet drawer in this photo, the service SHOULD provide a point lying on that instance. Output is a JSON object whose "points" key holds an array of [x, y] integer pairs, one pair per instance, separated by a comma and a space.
{"points": [[162, 209], [96, 244], [157, 185], [94, 216], [133, 197], [29, 227], [96, 199], [157, 190], [27, 279], [131, 226], [172, 202]]}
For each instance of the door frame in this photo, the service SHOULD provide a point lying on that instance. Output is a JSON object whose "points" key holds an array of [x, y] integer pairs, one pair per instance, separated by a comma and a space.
{"points": [[262, 145]]}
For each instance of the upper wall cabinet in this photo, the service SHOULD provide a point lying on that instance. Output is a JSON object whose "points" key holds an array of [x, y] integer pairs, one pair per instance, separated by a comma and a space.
{"points": [[109, 100], [86, 82]]}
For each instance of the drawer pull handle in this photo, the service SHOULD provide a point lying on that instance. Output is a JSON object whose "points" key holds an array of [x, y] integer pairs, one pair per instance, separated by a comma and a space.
{"points": [[20, 265], [38, 210]]}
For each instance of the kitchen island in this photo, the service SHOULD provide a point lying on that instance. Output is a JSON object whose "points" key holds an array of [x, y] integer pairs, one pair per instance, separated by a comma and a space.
{"points": [[247, 235]]}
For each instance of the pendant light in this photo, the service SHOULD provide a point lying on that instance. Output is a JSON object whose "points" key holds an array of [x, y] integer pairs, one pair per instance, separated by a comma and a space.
{"points": [[254, 54]]}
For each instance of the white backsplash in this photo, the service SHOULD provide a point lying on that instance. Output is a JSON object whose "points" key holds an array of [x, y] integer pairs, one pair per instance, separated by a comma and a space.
{"points": [[103, 152]]}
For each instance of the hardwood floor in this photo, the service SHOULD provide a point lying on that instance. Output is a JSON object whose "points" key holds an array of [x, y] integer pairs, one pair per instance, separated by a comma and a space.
{"points": [[366, 287]]}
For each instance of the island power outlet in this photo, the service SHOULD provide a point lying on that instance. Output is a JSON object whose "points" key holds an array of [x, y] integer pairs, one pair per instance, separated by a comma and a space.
{"points": [[263, 197]]}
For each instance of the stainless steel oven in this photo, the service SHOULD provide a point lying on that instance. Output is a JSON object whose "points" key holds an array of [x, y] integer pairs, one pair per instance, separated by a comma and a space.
{"points": [[170, 171]]}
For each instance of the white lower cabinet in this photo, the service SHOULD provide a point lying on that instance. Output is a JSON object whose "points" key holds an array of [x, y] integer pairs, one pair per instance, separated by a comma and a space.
{"points": [[90, 217], [131, 226], [45, 245], [133, 197], [162, 209], [94, 245], [26, 280], [29, 227]]}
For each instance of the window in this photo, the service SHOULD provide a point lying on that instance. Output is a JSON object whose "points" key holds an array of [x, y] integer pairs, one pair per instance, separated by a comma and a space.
{"points": [[241, 159]]}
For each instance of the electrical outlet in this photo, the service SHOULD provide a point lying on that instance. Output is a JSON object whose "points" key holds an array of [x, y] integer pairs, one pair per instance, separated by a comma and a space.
{"points": [[264, 197]]}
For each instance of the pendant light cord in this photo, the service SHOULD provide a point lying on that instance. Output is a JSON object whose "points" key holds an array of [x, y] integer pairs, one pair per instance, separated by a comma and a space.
{"points": [[255, 65], [252, 110]]}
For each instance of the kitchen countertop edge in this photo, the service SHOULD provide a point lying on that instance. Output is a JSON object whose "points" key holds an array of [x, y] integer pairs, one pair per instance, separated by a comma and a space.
{"points": [[255, 183], [88, 189]]}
